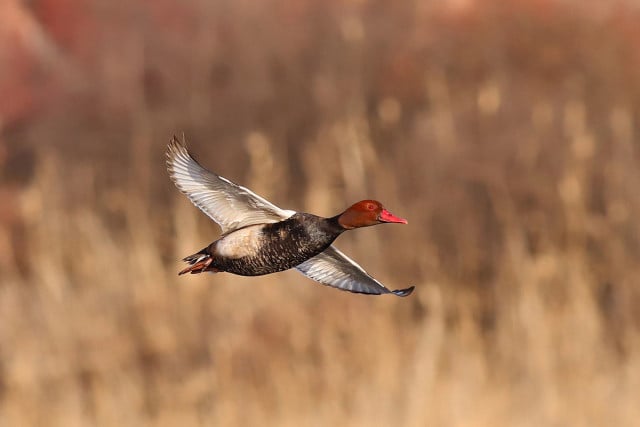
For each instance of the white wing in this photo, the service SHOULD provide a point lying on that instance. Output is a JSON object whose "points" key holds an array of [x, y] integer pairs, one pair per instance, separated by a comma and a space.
{"points": [[228, 204], [333, 268]]}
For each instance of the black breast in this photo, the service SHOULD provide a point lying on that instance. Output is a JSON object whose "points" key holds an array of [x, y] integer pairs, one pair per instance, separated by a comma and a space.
{"points": [[284, 245]]}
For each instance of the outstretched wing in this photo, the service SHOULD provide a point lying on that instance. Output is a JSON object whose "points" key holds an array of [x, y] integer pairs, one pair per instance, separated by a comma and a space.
{"points": [[333, 268], [228, 204]]}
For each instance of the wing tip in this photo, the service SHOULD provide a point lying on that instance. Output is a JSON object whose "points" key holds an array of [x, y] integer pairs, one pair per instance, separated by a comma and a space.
{"points": [[176, 147], [403, 292], [398, 292], [177, 154]]}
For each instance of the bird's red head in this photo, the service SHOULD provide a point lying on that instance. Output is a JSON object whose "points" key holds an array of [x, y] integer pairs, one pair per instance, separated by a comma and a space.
{"points": [[366, 213]]}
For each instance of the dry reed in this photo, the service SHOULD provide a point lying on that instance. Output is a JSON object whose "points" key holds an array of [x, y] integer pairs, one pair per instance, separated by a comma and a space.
{"points": [[505, 133]]}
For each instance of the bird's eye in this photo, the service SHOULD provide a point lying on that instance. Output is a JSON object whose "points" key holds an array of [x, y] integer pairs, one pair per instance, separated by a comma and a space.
{"points": [[371, 206]]}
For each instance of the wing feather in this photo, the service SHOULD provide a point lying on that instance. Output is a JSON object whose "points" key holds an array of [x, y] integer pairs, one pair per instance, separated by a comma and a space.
{"points": [[333, 268], [230, 205]]}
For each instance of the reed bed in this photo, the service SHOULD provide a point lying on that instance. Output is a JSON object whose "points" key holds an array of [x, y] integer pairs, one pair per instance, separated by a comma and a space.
{"points": [[506, 132]]}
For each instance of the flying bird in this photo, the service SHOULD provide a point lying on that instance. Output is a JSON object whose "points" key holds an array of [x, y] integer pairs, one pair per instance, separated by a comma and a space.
{"points": [[260, 238]]}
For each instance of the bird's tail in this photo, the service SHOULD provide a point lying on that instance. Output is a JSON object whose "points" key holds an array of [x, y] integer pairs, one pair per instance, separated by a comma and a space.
{"points": [[198, 263]]}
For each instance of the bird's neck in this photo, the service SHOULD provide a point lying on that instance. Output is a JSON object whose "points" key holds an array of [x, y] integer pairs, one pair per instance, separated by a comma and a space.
{"points": [[333, 224]]}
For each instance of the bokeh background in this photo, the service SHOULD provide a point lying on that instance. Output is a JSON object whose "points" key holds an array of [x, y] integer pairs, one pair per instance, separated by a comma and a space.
{"points": [[505, 131]]}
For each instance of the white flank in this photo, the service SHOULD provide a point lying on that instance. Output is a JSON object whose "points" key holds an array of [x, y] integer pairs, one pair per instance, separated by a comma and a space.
{"points": [[240, 243]]}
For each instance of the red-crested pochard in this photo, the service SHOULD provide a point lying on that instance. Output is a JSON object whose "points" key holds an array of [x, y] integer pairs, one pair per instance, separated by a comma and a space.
{"points": [[260, 238]]}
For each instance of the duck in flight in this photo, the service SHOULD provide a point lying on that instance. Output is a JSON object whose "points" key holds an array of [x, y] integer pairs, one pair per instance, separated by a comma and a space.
{"points": [[259, 238]]}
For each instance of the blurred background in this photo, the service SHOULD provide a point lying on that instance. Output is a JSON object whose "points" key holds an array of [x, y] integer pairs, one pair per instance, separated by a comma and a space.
{"points": [[506, 132]]}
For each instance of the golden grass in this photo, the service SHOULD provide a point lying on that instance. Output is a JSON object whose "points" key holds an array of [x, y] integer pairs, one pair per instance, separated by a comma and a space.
{"points": [[516, 167]]}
